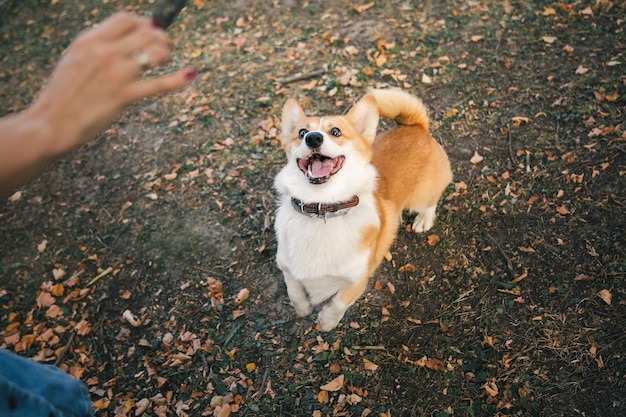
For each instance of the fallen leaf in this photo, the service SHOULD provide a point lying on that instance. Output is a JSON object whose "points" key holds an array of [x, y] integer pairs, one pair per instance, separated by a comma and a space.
{"points": [[58, 273], [477, 158], [605, 295], [587, 11], [562, 210], [42, 246], [131, 318], [361, 9], [491, 388], [369, 365], [141, 406], [426, 79], [433, 239], [434, 364], [44, 299], [322, 397], [581, 70], [549, 11], [477, 38], [54, 311], [334, 385], [242, 296], [518, 120], [16, 196], [548, 39], [521, 277]]}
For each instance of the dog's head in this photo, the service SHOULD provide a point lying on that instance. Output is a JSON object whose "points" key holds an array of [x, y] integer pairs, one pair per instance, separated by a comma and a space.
{"points": [[321, 147]]}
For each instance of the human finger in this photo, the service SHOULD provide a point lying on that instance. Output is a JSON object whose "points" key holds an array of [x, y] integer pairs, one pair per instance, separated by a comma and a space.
{"points": [[160, 85], [141, 38], [118, 25]]}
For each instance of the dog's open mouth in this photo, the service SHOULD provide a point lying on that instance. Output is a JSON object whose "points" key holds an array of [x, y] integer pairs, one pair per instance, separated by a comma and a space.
{"points": [[319, 168]]}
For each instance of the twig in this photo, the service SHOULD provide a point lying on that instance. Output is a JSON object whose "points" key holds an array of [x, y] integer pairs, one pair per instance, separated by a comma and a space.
{"points": [[511, 154], [509, 264], [261, 389], [65, 349], [368, 347], [300, 76], [100, 275]]}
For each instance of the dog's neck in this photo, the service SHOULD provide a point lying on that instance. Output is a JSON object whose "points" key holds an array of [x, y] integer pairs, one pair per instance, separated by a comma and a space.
{"points": [[324, 210]]}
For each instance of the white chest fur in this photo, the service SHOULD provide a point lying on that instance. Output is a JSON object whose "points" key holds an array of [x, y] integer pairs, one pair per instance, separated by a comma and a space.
{"points": [[324, 255]]}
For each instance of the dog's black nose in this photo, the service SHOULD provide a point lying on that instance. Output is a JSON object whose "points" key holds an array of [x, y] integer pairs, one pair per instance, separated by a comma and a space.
{"points": [[314, 139]]}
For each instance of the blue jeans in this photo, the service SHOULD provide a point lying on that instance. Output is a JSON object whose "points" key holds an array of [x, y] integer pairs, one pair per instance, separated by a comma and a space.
{"points": [[31, 389]]}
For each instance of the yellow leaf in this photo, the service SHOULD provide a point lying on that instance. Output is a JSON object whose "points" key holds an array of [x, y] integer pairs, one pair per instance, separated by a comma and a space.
{"points": [[548, 39], [380, 60], [57, 290], [433, 239], [322, 397], [334, 385], [549, 11], [250, 367], [195, 54], [388, 256]]}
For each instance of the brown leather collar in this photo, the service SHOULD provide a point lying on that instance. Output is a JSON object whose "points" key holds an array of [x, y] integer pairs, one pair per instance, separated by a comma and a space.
{"points": [[323, 209]]}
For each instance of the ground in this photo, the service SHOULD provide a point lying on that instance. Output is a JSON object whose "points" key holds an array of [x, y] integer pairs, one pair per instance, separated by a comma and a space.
{"points": [[143, 263]]}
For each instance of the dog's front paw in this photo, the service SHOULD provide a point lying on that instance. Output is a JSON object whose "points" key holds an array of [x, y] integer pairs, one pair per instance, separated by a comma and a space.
{"points": [[328, 319], [303, 309]]}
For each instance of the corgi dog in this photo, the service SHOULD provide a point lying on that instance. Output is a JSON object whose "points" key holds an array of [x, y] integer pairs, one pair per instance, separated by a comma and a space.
{"points": [[342, 193]]}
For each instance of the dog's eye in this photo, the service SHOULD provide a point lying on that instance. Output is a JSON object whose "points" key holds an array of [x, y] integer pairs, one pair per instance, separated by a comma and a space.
{"points": [[302, 133], [335, 132]]}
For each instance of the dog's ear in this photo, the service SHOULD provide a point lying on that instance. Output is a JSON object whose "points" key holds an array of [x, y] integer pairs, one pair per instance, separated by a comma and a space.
{"points": [[364, 117], [292, 116]]}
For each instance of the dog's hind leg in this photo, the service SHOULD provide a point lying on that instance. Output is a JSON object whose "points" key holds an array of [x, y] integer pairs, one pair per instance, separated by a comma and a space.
{"points": [[425, 219], [332, 313], [298, 296]]}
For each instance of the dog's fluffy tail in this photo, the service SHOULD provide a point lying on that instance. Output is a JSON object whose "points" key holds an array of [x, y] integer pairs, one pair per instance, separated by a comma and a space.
{"points": [[401, 106]]}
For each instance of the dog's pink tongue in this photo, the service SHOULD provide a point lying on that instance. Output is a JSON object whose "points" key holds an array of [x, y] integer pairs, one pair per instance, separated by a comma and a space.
{"points": [[321, 169]]}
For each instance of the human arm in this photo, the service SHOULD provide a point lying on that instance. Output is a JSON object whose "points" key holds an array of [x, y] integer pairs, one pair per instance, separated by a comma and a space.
{"points": [[93, 82]]}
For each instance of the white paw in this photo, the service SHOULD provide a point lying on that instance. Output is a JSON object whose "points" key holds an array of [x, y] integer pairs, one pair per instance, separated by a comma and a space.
{"points": [[423, 223], [303, 309], [328, 319]]}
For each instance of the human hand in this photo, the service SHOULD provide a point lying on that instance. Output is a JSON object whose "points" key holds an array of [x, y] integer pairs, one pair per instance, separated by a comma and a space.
{"points": [[99, 76]]}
